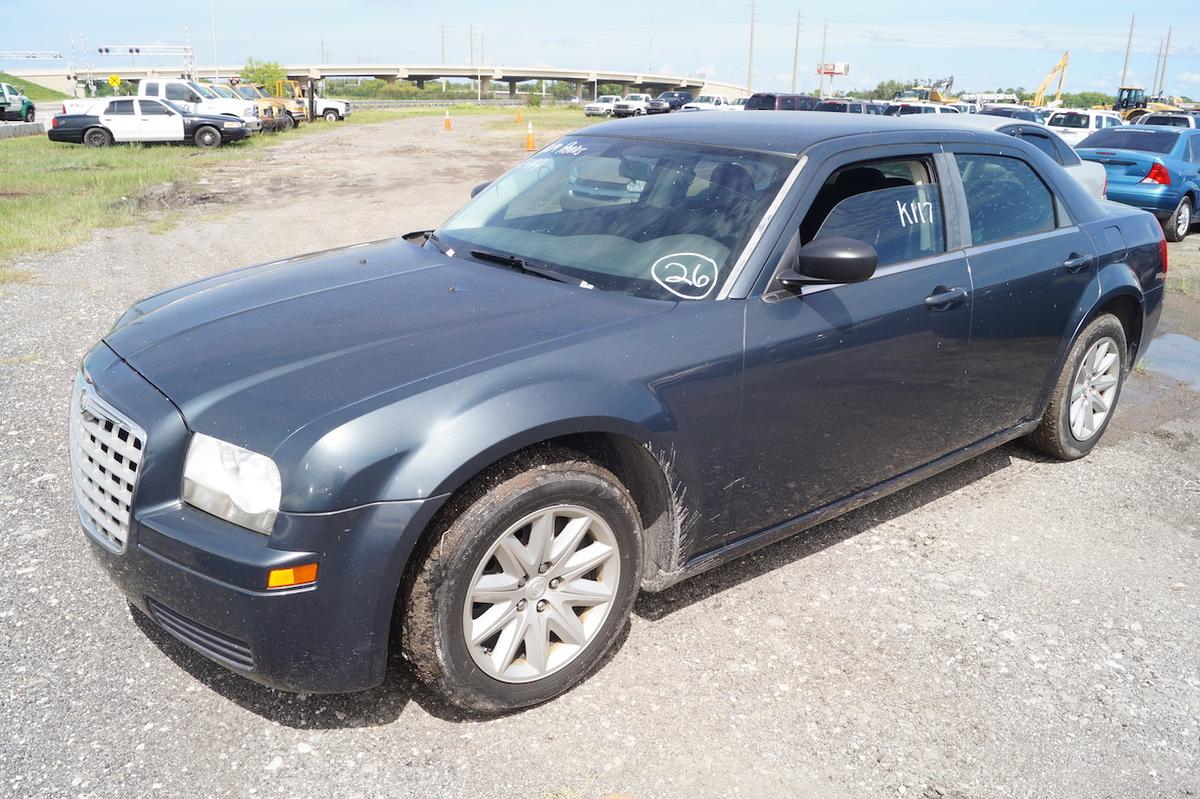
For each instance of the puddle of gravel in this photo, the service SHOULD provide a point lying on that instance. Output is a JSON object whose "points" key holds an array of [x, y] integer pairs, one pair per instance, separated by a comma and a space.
{"points": [[1176, 356]]}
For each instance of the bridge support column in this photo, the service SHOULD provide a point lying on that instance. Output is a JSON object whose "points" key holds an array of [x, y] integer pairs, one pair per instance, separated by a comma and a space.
{"points": [[485, 85], [421, 85], [512, 90]]}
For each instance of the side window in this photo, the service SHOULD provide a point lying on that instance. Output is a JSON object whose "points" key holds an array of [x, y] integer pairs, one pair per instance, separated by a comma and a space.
{"points": [[1194, 149], [892, 205], [153, 108], [1005, 198], [121, 107], [152, 89], [787, 103], [177, 91], [1042, 142]]}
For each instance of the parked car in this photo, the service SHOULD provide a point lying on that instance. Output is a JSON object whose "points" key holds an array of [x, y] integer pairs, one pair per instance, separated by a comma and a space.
{"points": [[486, 438], [876, 107], [1153, 168], [285, 118], [764, 101], [1174, 119], [634, 105], [191, 96], [740, 102], [14, 105], [125, 119], [842, 106], [1089, 174], [1076, 125], [266, 111], [710, 102], [1012, 112], [966, 108], [602, 107], [916, 108], [666, 102]]}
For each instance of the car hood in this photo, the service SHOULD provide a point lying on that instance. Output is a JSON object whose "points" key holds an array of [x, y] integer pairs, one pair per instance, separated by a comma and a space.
{"points": [[254, 355]]}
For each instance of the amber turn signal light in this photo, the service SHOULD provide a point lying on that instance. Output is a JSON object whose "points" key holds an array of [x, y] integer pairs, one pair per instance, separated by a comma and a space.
{"points": [[292, 576]]}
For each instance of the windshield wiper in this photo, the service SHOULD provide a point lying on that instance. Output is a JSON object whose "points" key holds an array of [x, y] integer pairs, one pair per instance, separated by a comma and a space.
{"points": [[522, 265], [442, 246]]}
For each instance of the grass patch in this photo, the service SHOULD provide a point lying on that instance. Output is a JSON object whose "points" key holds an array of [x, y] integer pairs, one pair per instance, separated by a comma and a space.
{"points": [[10, 275], [33, 91]]}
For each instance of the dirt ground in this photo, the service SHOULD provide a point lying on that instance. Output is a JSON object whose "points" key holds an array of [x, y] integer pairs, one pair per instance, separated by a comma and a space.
{"points": [[1011, 627]]}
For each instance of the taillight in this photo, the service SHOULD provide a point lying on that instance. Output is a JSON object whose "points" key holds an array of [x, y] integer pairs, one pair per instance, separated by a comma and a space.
{"points": [[1158, 174], [54, 122], [1162, 254]]}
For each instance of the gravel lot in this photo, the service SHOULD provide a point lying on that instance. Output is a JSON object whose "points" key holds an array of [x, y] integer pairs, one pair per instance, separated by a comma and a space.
{"points": [[1012, 627]]}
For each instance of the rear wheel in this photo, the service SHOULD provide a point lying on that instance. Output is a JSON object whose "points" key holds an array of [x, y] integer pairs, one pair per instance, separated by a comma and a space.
{"points": [[1086, 393], [207, 138], [527, 588], [97, 137], [1179, 223]]}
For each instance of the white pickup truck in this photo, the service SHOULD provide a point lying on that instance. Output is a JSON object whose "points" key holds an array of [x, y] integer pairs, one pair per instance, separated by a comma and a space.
{"points": [[186, 94]]}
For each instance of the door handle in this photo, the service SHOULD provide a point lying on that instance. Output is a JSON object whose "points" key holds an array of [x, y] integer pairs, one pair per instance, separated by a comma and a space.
{"points": [[942, 297], [1077, 262]]}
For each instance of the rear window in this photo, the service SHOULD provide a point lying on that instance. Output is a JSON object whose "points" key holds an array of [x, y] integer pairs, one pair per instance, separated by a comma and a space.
{"points": [[1169, 120], [1069, 120], [761, 102], [1128, 137]]}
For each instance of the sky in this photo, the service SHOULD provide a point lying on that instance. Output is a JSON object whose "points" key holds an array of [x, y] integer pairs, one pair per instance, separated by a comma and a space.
{"points": [[984, 46]]}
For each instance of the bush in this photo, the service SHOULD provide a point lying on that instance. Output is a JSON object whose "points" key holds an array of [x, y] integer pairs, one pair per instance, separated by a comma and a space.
{"points": [[533, 100]]}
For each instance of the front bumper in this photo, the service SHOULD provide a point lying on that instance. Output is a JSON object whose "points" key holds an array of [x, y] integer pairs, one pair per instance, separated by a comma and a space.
{"points": [[253, 124], [203, 580], [234, 134]]}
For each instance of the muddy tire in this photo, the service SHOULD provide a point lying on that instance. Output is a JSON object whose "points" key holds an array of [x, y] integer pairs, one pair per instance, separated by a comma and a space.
{"points": [[1086, 392], [97, 137], [286, 122], [1176, 227], [207, 138], [525, 585]]}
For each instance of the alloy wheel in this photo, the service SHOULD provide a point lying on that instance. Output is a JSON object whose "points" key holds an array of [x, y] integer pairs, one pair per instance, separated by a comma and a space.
{"points": [[1094, 389], [1183, 219], [541, 593]]}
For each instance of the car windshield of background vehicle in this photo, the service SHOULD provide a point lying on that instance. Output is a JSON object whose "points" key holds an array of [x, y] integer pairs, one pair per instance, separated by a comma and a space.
{"points": [[1069, 120], [652, 219], [1129, 137]]}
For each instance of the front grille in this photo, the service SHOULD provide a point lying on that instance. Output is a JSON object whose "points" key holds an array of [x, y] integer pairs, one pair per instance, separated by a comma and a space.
{"points": [[106, 449], [218, 646]]}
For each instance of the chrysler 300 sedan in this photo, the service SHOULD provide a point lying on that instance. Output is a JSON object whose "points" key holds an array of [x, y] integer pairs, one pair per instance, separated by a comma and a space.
{"points": [[653, 346]]}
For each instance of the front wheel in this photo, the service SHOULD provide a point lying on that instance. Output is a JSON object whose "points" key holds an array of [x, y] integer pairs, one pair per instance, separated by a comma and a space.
{"points": [[29, 115], [639, 112], [525, 590], [1086, 393], [331, 116], [287, 122], [1177, 225], [207, 138]]}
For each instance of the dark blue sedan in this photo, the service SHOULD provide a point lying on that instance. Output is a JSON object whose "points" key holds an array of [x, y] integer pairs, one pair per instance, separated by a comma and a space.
{"points": [[654, 346], [1152, 167]]}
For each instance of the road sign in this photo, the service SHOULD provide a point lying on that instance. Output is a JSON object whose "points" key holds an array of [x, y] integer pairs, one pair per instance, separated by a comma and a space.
{"points": [[114, 81], [839, 68]]}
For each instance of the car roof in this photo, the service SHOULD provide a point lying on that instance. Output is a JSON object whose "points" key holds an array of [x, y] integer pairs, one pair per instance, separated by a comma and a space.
{"points": [[790, 132], [976, 121]]}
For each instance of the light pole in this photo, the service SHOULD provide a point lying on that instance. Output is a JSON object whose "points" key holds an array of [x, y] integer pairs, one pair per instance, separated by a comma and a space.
{"points": [[212, 13]]}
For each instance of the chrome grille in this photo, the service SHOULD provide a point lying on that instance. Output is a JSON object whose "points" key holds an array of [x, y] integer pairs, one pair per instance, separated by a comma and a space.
{"points": [[106, 449]]}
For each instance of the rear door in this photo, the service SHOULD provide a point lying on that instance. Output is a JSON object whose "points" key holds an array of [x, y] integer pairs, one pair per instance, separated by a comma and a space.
{"points": [[158, 122], [1031, 265], [121, 119], [846, 386]]}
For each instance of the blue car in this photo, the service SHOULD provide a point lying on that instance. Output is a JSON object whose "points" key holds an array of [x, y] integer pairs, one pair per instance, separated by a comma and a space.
{"points": [[1152, 167], [656, 345]]}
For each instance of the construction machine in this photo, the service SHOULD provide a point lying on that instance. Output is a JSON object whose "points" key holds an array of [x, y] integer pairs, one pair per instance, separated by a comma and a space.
{"points": [[936, 92], [1059, 71], [1132, 103]]}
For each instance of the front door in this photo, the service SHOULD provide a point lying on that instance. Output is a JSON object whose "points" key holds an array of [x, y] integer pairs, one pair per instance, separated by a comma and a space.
{"points": [[159, 123], [847, 386], [1031, 266]]}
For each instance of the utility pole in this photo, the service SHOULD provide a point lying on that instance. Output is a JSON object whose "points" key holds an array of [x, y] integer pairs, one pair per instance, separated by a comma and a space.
{"points": [[1162, 77], [1157, 68], [750, 60], [1128, 47], [821, 66], [443, 31], [470, 44], [212, 13], [796, 53]]}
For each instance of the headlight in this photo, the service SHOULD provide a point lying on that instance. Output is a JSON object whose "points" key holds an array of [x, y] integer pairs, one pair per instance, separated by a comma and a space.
{"points": [[233, 124], [231, 483]]}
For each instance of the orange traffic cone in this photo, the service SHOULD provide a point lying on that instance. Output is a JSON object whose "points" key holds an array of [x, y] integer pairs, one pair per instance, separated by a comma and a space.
{"points": [[446, 124], [529, 145], [518, 116]]}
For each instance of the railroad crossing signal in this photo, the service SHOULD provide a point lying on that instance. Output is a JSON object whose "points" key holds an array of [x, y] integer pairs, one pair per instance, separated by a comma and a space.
{"points": [[30, 55]]}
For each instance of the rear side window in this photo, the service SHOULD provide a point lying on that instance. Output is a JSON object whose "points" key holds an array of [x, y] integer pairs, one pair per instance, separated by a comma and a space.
{"points": [[1043, 143], [1133, 137], [121, 107], [1005, 198], [892, 205], [761, 102], [152, 89], [1193, 149], [787, 103]]}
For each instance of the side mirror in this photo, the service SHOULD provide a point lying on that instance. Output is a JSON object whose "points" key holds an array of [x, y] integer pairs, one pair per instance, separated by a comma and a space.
{"points": [[833, 260], [480, 187]]}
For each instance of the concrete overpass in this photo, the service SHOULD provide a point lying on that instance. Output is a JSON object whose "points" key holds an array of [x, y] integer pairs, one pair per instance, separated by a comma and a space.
{"points": [[60, 79]]}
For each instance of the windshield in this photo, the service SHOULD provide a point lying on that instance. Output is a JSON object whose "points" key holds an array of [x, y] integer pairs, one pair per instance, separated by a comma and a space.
{"points": [[206, 93], [608, 98], [704, 98], [224, 91], [653, 219], [1130, 138], [1069, 120], [247, 92], [1169, 120]]}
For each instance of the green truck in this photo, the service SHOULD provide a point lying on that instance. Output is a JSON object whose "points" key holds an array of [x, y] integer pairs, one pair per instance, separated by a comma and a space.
{"points": [[14, 106]]}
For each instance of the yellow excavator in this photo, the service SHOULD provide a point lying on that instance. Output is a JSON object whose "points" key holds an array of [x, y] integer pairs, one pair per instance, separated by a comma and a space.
{"points": [[1132, 103], [936, 92], [1059, 71]]}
